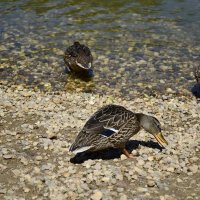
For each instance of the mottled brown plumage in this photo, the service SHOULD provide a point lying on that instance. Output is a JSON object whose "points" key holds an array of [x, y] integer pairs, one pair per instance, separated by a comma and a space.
{"points": [[197, 73], [78, 59], [196, 87], [113, 126]]}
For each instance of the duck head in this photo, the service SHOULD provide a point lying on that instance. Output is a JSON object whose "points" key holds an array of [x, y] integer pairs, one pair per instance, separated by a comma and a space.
{"points": [[152, 125]]}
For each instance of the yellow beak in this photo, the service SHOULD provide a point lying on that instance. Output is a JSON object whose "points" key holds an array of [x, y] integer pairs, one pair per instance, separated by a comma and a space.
{"points": [[161, 140]]}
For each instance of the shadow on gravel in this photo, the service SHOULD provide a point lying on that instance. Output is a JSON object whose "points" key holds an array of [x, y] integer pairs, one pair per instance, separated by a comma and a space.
{"points": [[112, 153]]}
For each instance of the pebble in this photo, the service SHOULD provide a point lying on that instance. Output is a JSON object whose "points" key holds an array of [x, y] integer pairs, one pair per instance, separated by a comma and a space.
{"points": [[164, 68], [151, 183], [140, 189], [140, 162], [193, 168], [106, 179], [26, 190], [88, 163], [123, 157], [24, 161], [2, 191], [123, 197], [51, 135], [8, 156], [38, 158], [97, 195]]}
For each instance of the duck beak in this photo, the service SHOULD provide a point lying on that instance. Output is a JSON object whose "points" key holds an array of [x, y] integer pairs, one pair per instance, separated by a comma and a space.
{"points": [[161, 140], [80, 65]]}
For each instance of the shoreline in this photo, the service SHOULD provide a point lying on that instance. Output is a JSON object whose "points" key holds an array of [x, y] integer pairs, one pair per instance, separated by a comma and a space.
{"points": [[36, 130]]}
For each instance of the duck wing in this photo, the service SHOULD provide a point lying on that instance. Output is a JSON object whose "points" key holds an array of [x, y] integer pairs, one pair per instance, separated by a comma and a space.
{"points": [[109, 117], [102, 124]]}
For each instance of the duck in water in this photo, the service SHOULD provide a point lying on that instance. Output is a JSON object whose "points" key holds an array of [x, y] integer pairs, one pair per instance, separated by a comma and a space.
{"points": [[78, 60]]}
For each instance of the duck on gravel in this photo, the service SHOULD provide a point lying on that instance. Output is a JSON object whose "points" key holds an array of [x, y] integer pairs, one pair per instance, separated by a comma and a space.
{"points": [[113, 126]]}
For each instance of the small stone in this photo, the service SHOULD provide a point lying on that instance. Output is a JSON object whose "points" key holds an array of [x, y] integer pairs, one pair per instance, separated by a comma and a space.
{"points": [[51, 135], [190, 198], [119, 177], [169, 90], [162, 197], [130, 49], [120, 189], [2, 191], [140, 189], [179, 180], [97, 195], [150, 158], [123, 157], [193, 169], [135, 153], [141, 62], [88, 163], [151, 183], [38, 158], [123, 197], [106, 179], [26, 190], [140, 162], [24, 161], [170, 169], [8, 156], [170, 198], [135, 177], [46, 167], [164, 68], [140, 171], [97, 166], [162, 81]]}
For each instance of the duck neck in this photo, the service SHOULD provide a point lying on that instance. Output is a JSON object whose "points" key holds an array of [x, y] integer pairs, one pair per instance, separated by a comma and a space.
{"points": [[140, 118]]}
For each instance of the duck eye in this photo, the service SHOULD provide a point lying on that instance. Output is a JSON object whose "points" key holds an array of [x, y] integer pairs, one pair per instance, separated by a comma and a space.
{"points": [[158, 126]]}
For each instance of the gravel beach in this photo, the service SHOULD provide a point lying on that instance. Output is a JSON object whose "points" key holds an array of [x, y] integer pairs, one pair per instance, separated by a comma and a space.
{"points": [[37, 129]]}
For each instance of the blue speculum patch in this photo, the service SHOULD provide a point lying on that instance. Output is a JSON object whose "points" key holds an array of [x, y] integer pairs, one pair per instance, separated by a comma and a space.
{"points": [[108, 133]]}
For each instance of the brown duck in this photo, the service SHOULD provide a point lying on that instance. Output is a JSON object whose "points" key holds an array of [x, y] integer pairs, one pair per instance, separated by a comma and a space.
{"points": [[113, 126], [196, 87], [78, 59]]}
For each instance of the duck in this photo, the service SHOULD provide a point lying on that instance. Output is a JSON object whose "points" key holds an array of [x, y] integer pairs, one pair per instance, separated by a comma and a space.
{"points": [[78, 59], [111, 127], [196, 87]]}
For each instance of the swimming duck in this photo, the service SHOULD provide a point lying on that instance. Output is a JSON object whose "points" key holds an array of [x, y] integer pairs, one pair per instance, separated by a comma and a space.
{"points": [[113, 126], [196, 87], [78, 59]]}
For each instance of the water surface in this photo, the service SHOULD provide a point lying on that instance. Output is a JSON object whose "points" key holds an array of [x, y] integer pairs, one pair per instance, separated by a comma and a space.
{"points": [[142, 45]]}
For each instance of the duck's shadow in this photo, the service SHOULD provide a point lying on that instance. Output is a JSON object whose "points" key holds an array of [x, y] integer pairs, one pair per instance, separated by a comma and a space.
{"points": [[112, 153], [83, 76]]}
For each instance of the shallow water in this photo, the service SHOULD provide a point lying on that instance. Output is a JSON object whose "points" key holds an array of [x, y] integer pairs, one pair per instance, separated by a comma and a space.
{"points": [[143, 45]]}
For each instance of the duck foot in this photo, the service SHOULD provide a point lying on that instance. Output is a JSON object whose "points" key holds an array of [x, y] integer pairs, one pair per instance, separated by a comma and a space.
{"points": [[127, 154]]}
